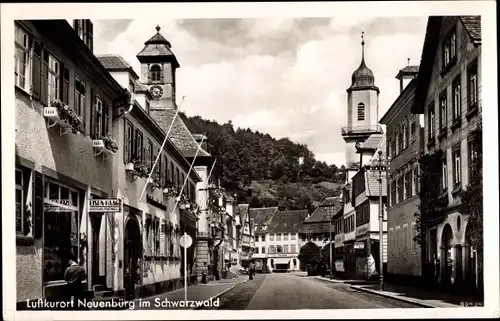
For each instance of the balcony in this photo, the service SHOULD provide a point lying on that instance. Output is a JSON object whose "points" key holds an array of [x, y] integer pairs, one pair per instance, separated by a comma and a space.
{"points": [[361, 130]]}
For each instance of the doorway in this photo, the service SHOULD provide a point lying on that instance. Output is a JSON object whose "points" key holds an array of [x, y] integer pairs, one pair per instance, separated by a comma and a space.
{"points": [[447, 256], [132, 253]]}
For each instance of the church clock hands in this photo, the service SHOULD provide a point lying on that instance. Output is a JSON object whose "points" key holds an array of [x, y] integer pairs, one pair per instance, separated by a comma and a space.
{"points": [[156, 91]]}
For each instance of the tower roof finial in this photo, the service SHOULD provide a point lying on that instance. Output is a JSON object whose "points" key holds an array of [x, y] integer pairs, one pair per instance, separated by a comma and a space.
{"points": [[362, 46], [158, 28], [408, 61]]}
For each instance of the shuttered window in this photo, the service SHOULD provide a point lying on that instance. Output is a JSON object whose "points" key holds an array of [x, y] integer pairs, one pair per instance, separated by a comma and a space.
{"points": [[129, 141]]}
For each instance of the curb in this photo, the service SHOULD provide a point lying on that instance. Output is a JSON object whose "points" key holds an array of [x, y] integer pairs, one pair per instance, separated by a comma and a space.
{"points": [[424, 305], [329, 280], [215, 297]]}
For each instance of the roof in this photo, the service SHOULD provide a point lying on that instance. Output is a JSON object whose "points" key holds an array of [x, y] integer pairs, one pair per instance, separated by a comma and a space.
{"points": [[286, 221], [179, 134], [319, 227], [371, 143], [115, 62], [408, 92], [325, 211], [362, 78], [472, 25], [372, 186], [261, 216], [158, 46], [410, 69]]}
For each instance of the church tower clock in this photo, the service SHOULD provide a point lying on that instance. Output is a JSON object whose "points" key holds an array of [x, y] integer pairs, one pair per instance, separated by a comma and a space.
{"points": [[158, 66]]}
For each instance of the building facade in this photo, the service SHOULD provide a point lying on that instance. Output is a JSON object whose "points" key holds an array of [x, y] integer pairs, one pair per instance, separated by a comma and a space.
{"points": [[261, 216], [58, 166], [448, 94], [405, 143]]}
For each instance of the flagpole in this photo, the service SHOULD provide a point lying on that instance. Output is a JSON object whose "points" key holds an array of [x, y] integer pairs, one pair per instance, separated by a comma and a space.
{"points": [[161, 149], [187, 176]]}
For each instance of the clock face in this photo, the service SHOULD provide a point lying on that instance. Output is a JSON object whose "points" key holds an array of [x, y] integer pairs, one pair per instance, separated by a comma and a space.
{"points": [[156, 91]]}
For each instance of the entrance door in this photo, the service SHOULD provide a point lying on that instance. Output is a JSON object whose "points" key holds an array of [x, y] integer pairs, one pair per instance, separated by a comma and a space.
{"points": [[131, 255], [96, 219]]}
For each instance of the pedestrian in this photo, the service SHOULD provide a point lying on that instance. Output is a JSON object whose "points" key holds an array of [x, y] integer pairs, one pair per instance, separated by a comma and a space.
{"points": [[251, 269], [74, 276], [204, 271]]}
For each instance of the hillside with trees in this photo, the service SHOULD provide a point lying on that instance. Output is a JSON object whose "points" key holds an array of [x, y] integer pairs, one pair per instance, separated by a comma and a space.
{"points": [[265, 171]]}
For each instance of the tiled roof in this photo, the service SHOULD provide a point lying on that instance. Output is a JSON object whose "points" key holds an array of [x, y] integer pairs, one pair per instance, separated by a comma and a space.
{"points": [[314, 228], [158, 39], [115, 62], [372, 142], [180, 134], [372, 184], [261, 216], [155, 50], [410, 69], [325, 211], [473, 26], [286, 221]]}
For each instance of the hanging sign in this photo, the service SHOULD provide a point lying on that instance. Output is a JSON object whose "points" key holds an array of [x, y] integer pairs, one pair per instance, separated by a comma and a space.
{"points": [[105, 205], [186, 241]]}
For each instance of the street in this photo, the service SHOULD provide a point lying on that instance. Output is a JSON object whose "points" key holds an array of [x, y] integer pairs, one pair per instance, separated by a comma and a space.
{"points": [[286, 291]]}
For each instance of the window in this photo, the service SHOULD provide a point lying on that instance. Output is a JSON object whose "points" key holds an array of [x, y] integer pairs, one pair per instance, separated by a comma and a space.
{"points": [[472, 155], [431, 120], [85, 30], [256, 250], [148, 108], [20, 201], [389, 149], [414, 181], [401, 139], [278, 237], [444, 177], [271, 237], [62, 222], [139, 145], [405, 135], [457, 101], [22, 58], [285, 236], [361, 111], [172, 173], [178, 177], [272, 249], [413, 128], [53, 75], [293, 248], [129, 142], [472, 84], [406, 192], [285, 248], [442, 110], [400, 194], [165, 176], [98, 117], [155, 73], [293, 236], [263, 250], [79, 95], [150, 155], [279, 249], [449, 49], [457, 172], [263, 238]]}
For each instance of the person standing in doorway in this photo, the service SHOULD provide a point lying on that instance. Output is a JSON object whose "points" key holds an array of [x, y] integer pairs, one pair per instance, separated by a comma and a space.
{"points": [[204, 271], [74, 276]]}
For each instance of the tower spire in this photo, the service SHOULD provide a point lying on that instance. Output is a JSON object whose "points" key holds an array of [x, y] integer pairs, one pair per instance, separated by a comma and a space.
{"points": [[362, 46], [158, 28]]}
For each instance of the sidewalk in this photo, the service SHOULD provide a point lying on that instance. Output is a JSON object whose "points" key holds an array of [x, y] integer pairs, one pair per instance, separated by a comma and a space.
{"points": [[408, 294], [234, 280], [420, 297]]}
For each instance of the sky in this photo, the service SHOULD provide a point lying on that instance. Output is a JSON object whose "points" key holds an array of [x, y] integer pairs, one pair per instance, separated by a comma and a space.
{"points": [[285, 77]]}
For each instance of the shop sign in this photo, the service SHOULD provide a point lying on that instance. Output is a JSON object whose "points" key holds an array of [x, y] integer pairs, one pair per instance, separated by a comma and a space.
{"points": [[54, 206], [105, 205], [359, 245]]}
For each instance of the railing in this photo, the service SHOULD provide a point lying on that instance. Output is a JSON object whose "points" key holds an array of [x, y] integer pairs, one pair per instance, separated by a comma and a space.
{"points": [[356, 130]]}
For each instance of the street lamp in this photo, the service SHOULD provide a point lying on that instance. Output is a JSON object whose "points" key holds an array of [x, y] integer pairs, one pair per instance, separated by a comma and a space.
{"points": [[381, 164]]}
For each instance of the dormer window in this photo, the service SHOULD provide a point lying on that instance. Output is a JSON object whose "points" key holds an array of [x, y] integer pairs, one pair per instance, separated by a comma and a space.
{"points": [[85, 30], [155, 73], [361, 111], [449, 51]]}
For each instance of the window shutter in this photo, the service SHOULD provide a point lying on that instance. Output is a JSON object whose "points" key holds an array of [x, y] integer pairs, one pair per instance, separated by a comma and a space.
{"points": [[126, 152], [61, 82], [44, 92], [37, 70], [105, 129], [92, 113], [38, 205]]}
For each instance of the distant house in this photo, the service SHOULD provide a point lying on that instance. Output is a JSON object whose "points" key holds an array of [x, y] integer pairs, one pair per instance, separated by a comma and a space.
{"points": [[279, 237]]}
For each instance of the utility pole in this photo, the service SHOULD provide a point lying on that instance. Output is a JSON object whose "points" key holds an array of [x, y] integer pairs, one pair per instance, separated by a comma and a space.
{"points": [[382, 163], [331, 258]]}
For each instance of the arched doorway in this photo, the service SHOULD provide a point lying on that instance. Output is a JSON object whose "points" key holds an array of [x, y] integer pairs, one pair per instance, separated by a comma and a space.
{"points": [[470, 261], [132, 251], [447, 256]]}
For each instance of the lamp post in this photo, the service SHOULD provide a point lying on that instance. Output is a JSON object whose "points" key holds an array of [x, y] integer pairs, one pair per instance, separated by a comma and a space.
{"points": [[382, 164]]}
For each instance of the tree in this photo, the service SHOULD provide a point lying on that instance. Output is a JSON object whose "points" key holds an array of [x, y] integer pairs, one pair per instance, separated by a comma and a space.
{"points": [[310, 255]]}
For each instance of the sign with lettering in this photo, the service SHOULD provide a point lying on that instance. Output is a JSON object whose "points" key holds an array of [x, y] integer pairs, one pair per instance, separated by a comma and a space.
{"points": [[359, 245], [105, 205]]}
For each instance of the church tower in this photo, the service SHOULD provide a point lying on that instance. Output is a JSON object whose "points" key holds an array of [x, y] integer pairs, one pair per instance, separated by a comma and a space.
{"points": [[362, 110], [158, 66]]}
